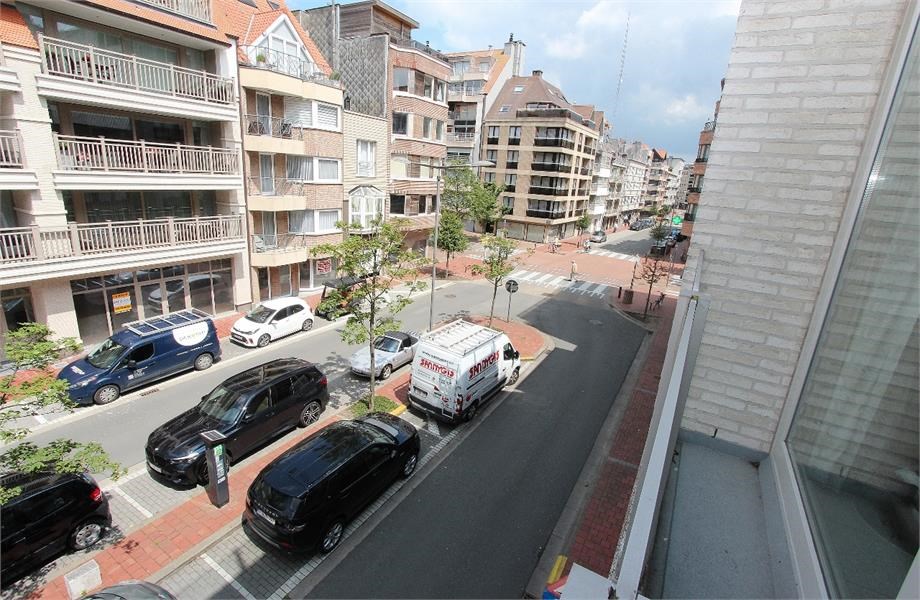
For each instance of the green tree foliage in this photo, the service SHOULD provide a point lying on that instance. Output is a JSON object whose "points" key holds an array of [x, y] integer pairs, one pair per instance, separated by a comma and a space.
{"points": [[497, 264], [659, 231], [484, 207], [28, 390], [583, 222], [653, 269], [379, 261], [459, 184], [451, 237]]}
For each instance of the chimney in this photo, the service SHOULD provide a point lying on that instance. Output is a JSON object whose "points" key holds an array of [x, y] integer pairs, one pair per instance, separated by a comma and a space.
{"points": [[538, 73]]}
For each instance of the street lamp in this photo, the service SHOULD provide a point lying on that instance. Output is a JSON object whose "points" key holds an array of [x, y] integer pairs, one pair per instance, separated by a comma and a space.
{"points": [[437, 214]]}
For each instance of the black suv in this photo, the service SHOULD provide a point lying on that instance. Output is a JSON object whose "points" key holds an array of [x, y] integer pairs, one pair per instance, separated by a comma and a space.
{"points": [[251, 408], [53, 512], [305, 497]]}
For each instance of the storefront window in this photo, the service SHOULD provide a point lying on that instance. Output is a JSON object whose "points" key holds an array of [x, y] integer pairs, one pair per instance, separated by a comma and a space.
{"points": [[854, 436], [323, 270]]}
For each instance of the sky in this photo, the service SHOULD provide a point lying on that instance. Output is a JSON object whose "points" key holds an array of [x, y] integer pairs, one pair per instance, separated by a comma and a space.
{"points": [[677, 52]]}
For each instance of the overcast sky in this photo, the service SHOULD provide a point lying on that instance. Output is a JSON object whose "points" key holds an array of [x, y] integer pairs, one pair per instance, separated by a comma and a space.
{"points": [[676, 54]]}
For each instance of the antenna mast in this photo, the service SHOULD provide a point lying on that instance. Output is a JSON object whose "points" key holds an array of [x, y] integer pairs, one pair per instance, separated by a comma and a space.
{"points": [[616, 100]]}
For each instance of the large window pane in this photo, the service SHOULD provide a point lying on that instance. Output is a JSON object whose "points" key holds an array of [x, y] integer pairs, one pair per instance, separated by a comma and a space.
{"points": [[91, 318], [122, 306], [854, 437], [328, 170]]}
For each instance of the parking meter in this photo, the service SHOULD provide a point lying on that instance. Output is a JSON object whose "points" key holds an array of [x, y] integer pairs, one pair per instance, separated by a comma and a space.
{"points": [[218, 486]]}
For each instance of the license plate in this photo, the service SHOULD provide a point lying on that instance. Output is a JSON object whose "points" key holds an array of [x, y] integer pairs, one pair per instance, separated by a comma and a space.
{"points": [[268, 518], [154, 467], [421, 393]]}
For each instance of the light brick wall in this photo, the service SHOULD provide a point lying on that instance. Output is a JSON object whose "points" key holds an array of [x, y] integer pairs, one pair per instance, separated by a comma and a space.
{"points": [[801, 86]]}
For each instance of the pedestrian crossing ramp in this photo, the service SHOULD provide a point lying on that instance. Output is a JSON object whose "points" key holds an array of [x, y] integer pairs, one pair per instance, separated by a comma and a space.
{"points": [[582, 288]]}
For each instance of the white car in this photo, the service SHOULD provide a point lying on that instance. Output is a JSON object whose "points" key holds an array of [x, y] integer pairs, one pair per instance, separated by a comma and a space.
{"points": [[271, 320], [391, 351]]}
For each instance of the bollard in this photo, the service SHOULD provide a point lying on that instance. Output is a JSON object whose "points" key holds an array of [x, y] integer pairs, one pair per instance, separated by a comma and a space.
{"points": [[620, 293]]}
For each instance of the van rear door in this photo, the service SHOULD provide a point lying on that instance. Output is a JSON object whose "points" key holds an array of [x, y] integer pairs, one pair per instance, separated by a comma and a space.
{"points": [[434, 378]]}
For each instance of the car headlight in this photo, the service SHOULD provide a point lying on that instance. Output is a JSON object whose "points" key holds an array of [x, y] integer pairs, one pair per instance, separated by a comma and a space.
{"points": [[188, 456], [85, 382]]}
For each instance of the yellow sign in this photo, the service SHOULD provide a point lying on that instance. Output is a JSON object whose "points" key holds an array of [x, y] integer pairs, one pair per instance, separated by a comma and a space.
{"points": [[121, 302]]}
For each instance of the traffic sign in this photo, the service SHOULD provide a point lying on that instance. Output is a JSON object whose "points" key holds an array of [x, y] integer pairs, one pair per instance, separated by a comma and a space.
{"points": [[677, 220], [511, 285]]}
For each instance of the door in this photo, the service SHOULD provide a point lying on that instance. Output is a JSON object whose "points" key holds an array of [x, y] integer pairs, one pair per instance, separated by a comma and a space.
{"points": [[264, 112], [139, 367], [256, 426], [405, 353], [269, 237], [267, 174], [279, 323], [287, 403], [357, 482], [44, 526], [294, 321]]}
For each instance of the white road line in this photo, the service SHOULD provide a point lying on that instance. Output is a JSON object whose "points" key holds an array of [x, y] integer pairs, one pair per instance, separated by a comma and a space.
{"points": [[227, 577], [112, 484], [41, 419], [431, 424], [147, 514], [584, 287], [540, 280], [530, 275], [516, 274], [558, 282]]}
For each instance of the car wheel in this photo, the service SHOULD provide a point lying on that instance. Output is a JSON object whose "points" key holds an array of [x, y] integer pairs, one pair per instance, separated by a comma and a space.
{"points": [[307, 325], [310, 413], [471, 412], [86, 534], [264, 339], [386, 372], [204, 361], [106, 394], [332, 536], [409, 466], [202, 472], [514, 377]]}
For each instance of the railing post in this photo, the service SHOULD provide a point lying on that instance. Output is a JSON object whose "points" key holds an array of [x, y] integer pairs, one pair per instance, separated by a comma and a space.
{"points": [[57, 150], [172, 79], [136, 74], [211, 159], [92, 65], [144, 156], [105, 155], [143, 233], [179, 158], [198, 230], [110, 235], [37, 249], [171, 230], [76, 248]]}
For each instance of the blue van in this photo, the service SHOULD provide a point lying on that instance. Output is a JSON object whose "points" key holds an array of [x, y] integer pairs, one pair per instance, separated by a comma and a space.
{"points": [[142, 352]]}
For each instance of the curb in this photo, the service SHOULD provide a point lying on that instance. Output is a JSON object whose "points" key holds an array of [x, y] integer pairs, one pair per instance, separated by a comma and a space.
{"points": [[399, 410]]}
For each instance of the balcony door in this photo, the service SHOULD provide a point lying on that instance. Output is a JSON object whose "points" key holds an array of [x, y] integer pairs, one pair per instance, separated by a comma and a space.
{"points": [[267, 173], [264, 112]]}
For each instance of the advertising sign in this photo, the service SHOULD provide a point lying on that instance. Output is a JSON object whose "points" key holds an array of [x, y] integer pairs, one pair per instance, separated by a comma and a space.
{"points": [[323, 266], [121, 302]]}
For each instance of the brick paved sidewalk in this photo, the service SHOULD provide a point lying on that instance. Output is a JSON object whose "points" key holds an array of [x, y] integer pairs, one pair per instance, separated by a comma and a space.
{"points": [[603, 515]]}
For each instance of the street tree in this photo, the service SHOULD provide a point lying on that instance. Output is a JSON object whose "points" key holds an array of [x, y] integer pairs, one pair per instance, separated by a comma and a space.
{"points": [[451, 237], [659, 232], [459, 184], [582, 224], [498, 263], [377, 261], [484, 206], [653, 269], [27, 390]]}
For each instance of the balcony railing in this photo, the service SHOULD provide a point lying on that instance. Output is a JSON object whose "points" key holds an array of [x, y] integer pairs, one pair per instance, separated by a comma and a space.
{"points": [[548, 190], [196, 9], [545, 214], [25, 244], [694, 189], [690, 217], [701, 159], [287, 64], [105, 67], [551, 166], [514, 141], [76, 153], [511, 164], [460, 137], [455, 115], [277, 127], [10, 150], [281, 242], [709, 126], [491, 140], [555, 142], [409, 43]]}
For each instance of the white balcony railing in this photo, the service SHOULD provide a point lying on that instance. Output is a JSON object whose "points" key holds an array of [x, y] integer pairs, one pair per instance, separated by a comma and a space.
{"points": [[105, 67], [196, 9], [460, 137], [76, 153], [288, 64], [10, 150], [34, 244]]}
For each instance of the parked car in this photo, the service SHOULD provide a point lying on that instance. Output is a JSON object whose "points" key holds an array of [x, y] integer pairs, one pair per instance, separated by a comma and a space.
{"points": [[345, 286], [251, 408], [391, 351], [52, 513], [142, 352], [637, 225], [131, 589], [271, 320], [598, 237], [305, 497]]}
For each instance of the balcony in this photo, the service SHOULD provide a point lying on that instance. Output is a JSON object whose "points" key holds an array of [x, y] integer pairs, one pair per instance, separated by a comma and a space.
{"points": [[277, 194], [694, 189], [456, 115], [276, 61], [690, 217], [545, 214], [548, 190], [509, 187], [511, 165], [464, 139], [13, 175], [585, 170], [554, 142], [9, 79], [414, 45], [27, 253], [701, 159], [491, 140], [87, 163], [200, 10], [514, 141], [551, 166], [709, 126], [89, 75]]}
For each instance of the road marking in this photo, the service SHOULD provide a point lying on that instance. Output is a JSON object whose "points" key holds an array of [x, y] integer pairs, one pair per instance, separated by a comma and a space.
{"points": [[147, 514], [111, 484], [530, 275], [41, 419], [558, 282], [540, 280], [227, 577], [586, 285], [431, 425]]}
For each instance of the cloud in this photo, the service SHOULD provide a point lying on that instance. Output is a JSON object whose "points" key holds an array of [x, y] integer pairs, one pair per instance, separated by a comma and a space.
{"points": [[605, 14], [684, 109], [568, 46]]}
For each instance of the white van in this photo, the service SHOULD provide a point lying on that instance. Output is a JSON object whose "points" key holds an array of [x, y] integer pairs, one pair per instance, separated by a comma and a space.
{"points": [[457, 367]]}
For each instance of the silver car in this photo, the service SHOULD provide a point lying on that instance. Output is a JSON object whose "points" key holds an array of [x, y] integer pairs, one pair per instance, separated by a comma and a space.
{"points": [[391, 351]]}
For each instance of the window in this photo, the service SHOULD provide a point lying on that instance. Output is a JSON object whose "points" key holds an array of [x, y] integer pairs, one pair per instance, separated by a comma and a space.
{"points": [[510, 179], [508, 204], [514, 132], [439, 130], [512, 156], [489, 176], [484, 66], [300, 221], [365, 207], [141, 353], [327, 115], [402, 79], [504, 108], [400, 123], [439, 90], [398, 205], [428, 89], [367, 150], [703, 153], [300, 168], [461, 67], [326, 220], [492, 155], [518, 89], [455, 88], [493, 131], [328, 170], [426, 127], [472, 88]]}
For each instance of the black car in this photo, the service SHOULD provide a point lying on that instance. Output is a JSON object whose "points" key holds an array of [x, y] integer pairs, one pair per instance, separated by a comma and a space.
{"points": [[52, 513], [131, 590], [251, 408], [305, 497]]}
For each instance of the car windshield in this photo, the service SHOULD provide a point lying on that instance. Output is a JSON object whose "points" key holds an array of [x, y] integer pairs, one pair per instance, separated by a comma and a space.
{"points": [[221, 404], [105, 354], [260, 314], [387, 344]]}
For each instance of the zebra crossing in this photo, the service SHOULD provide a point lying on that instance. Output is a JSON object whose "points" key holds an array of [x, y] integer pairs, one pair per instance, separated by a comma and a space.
{"points": [[611, 254], [583, 288]]}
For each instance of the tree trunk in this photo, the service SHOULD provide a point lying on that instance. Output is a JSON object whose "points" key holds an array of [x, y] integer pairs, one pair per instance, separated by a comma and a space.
{"points": [[648, 299], [447, 265], [370, 399], [494, 293]]}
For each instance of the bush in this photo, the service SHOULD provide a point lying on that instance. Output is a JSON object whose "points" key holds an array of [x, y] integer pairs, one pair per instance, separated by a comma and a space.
{"points": [[381, 404]]}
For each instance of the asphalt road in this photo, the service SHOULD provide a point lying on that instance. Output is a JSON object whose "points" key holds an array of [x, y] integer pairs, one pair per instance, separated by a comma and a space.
{"points": [[475, 526]]}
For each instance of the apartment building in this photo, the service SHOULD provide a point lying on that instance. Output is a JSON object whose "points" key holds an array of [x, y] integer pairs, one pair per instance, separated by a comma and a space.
{"points": [[675, 167], [543, 147], [698, 173], [604, 186], [293, 149], [656, 187], [793, 372], [389, 75], [612, 215], [475, 80], [638, 159], [120, 166], [682, 184]]}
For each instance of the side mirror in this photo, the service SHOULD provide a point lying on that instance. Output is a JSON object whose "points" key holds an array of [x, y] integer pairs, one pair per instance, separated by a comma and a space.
{"points": [[517, 354], [248, 417]]}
